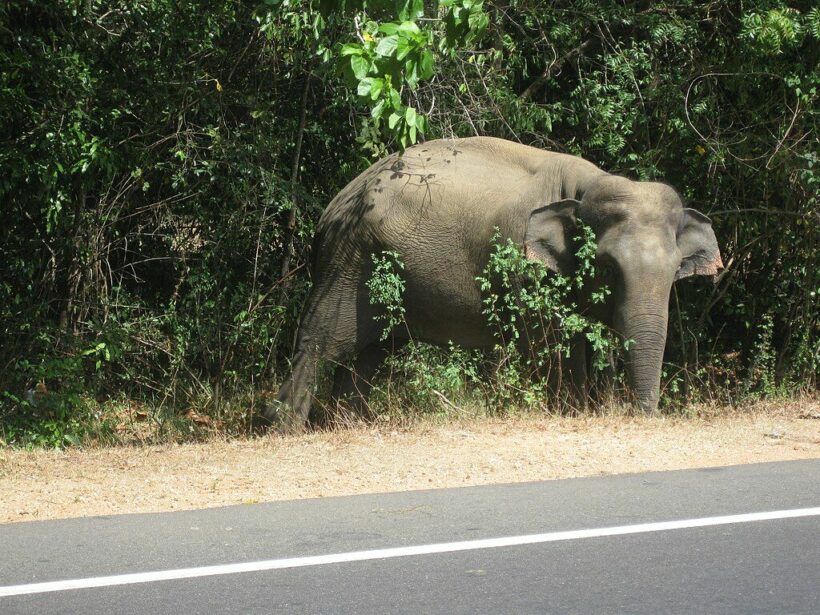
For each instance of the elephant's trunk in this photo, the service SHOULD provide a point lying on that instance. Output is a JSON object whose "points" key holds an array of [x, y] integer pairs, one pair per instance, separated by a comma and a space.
{"points": [[645, 327]]}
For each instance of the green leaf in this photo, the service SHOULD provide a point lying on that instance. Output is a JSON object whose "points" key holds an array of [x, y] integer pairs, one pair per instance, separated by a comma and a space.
{"points": [[478, 21], [411, 74], [387, 46], [395, 98], [409, 27], [404, 48], [360, 66], [376, 112], [389, 28], [410, 9], [410, 116], [376, 86], [426, 64], [365, 86], [351, 49], [393, 119]]}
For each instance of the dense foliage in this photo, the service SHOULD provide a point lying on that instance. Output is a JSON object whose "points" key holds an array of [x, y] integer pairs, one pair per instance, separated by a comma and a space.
{"points": [[164, 164]]}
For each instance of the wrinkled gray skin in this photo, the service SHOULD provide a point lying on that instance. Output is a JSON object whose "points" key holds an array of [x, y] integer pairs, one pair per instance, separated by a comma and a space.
{"points": [[438, 206]]}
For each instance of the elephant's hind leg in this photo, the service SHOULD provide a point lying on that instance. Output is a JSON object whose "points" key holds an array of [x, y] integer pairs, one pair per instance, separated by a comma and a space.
{"points": [[294, 399], [335, 326]]}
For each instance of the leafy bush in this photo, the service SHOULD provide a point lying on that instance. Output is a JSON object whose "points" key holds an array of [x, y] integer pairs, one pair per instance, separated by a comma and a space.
{"points": [[535, 315], [386, 288], [165, 163], [538, 317]]}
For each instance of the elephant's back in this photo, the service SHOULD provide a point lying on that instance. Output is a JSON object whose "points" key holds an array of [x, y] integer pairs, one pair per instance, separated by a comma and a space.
{"points": [[340, 228], [472, 171], [449, 192]]}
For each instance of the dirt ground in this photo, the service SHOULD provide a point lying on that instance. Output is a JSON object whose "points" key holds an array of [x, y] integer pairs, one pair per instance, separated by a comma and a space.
{"points": [[101, 481]]}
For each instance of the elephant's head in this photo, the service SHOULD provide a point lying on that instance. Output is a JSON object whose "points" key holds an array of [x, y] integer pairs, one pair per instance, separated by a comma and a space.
{"points": [[646, 241]]}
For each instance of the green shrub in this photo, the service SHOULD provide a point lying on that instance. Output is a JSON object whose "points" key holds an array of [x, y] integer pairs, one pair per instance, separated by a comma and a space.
{"points": [[535, 316]]}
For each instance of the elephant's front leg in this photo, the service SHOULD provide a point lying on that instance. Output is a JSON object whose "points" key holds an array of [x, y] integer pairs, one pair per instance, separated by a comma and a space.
{"points": [[289, 413]]}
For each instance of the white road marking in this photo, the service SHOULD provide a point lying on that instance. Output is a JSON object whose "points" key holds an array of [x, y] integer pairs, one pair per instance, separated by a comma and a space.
{"points": [[376, 554]]}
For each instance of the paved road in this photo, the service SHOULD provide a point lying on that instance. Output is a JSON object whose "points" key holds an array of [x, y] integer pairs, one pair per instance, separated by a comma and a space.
{"points": [[755, 567]]}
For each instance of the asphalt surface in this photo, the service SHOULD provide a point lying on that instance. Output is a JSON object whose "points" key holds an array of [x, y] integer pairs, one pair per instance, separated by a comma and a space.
{"points": [[770, 566]]}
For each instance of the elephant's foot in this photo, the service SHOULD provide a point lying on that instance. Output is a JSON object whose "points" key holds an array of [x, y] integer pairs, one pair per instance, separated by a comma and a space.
{"points": [[648, 406], [280, 417]]}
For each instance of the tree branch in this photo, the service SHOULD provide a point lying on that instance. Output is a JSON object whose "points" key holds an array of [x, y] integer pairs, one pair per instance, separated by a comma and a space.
{"points": [[536, 85]]}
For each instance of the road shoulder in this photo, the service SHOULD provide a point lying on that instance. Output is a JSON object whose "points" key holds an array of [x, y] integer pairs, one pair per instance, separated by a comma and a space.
{"points": [[103, 481]]}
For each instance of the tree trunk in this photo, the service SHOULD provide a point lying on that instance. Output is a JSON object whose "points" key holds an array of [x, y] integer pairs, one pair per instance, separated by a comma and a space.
{"points": [[290, 251]]}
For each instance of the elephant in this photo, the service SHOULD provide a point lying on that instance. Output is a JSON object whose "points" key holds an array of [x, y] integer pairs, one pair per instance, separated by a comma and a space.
{"points": [[438, 205]]}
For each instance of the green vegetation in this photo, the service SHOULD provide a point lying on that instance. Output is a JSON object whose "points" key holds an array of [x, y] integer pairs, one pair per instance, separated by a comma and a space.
{"points": [[163, 165], [386, 288], [535, 316]]}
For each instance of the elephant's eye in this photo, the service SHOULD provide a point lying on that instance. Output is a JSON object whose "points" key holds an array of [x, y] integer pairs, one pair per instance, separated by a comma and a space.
{"points": [[606, 269]]}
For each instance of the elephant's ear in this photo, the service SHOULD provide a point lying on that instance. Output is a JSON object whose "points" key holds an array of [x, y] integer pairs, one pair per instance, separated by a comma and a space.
{"points": [[549, 235], [698, 246]]}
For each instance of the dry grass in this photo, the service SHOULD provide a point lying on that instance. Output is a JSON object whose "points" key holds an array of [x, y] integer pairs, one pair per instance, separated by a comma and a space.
{"points": [[366, 459]]}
